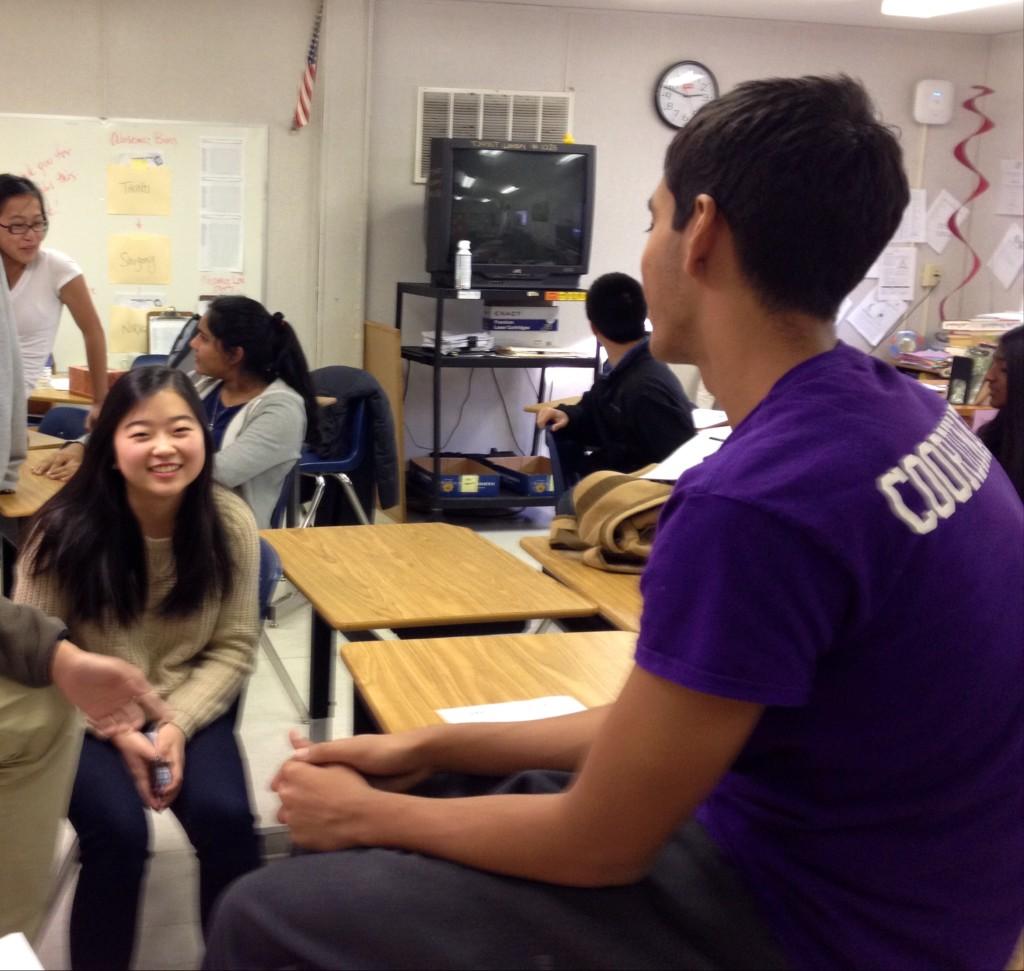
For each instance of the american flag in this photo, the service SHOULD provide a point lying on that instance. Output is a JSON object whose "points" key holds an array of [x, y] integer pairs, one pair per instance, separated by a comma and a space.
{"points": [[301, 117]]}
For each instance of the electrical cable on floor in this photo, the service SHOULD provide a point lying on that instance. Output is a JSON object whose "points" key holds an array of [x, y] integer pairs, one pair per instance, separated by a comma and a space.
{"points": [[508, 417], [462, 408]]}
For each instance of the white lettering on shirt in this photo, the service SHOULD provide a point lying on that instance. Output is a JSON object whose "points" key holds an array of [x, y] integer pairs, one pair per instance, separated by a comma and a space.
{"points": [[943, 472]]}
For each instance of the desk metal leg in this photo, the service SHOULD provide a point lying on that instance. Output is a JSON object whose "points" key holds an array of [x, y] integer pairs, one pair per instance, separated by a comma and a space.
{"points": [[321, 675]]}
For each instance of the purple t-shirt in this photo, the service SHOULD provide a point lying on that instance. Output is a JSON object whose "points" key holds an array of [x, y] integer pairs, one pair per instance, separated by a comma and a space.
{"points": [[853, 559]]}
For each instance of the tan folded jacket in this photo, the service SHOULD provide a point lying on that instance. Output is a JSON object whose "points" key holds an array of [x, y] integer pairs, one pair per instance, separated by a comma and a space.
{"points": [[614, 521]]}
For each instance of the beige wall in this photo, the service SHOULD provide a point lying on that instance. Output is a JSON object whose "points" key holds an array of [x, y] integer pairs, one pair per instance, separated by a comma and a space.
{"points": [[1006, 109]]}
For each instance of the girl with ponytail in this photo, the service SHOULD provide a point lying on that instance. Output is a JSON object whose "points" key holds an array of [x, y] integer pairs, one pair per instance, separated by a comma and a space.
{"points": [[257, 396]]}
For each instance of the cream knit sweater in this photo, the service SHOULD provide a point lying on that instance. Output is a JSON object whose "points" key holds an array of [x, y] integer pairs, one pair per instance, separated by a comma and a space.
{"points": [[196, 663]]}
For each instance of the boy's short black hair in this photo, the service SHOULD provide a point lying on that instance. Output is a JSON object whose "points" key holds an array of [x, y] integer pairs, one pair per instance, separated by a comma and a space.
{"points": [[617, 308], [810, 183]]}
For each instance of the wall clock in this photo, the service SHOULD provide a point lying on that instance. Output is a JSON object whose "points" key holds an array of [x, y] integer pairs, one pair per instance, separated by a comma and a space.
{"points": [[681, 90]]}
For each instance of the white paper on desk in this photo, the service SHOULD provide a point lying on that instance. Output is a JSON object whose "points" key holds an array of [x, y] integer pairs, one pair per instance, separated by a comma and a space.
{"points": [[513, 711], [939, 211], [706, 417], [912, 226], [896, 273], [1008, 258], [16, 954], [689, 454], [873, 318], [1010, 199], [60, 384]]}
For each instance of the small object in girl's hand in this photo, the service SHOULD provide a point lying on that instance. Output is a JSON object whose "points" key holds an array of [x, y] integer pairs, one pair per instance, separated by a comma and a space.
{"points": [[159, 771]]}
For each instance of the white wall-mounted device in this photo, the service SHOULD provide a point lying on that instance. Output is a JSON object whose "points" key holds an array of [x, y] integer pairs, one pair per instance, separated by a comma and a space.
{"points": [[933, 102]]}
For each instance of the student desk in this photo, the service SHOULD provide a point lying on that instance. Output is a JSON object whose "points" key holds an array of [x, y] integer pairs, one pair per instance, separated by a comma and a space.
{"points": [[409, 575], [41, 400], [617, 595], [37, 440], [556, 403], [403, 683], [16, 509]]}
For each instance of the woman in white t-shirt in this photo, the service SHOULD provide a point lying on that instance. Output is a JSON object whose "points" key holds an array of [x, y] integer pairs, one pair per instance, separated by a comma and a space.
{"points": [[42, 282]]}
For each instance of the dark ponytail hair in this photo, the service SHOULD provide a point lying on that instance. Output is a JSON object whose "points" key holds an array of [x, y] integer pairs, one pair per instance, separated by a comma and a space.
{"points": [[1004, 435], [270, 348], [18, 185], [88, 538]]}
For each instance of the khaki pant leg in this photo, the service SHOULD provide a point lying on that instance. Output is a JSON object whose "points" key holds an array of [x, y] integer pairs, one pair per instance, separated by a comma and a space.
{"points": [[40, 737]]}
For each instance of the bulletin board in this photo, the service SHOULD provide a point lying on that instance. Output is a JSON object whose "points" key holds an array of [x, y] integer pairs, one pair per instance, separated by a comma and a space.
{"points": [[155, 212]]}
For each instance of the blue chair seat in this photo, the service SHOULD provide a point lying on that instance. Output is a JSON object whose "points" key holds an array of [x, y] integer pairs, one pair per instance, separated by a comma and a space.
{"points": [[148, 360], [64, 421], [318, 468]]}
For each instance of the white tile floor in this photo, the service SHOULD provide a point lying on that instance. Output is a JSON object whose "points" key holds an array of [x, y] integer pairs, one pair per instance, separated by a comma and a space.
{"points": [[169, 935]]}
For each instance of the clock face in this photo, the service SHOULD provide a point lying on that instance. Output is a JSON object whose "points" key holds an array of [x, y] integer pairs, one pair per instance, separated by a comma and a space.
{"points": [[681, 90]]}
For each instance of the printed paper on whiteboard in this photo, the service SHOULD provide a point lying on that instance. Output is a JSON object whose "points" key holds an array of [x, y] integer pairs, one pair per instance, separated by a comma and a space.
{"points": [[939, 211], [514, 711], [220, 244], [873, 317], [1007, 260], [912, 226], [896, 273], [1010, 199]]}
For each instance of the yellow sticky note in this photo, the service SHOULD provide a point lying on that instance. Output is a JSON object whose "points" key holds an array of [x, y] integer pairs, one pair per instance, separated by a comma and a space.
{"points": [[138, 190], [139, 258], [128, 331]]}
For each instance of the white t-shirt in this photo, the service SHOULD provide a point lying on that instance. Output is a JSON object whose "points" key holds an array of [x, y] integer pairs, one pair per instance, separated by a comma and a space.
{"points": [[35, 299]]}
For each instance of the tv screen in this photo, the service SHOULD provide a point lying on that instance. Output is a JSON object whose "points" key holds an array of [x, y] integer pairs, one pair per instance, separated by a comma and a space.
{"points": [[526, 209]]}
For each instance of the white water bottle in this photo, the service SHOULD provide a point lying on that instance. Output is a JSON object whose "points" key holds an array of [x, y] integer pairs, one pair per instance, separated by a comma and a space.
{"points": [[463, 266]]}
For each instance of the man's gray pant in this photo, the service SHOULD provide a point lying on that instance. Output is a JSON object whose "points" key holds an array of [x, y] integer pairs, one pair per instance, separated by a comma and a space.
{"points": [[377, 908]]}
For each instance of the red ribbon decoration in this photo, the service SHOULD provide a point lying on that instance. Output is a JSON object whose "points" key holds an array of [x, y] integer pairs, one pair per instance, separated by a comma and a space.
{"points": [[960, 154]]}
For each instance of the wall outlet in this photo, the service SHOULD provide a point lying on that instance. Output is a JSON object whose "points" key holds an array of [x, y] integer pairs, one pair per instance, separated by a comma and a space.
{"points": [[931, 273]]}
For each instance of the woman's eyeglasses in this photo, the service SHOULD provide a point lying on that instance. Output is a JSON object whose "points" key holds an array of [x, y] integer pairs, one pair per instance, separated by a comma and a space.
{"points": [[40, 226]]}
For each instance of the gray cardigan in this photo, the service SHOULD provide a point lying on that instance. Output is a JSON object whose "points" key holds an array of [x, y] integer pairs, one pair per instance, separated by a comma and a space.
{"points": [[261, 444]]}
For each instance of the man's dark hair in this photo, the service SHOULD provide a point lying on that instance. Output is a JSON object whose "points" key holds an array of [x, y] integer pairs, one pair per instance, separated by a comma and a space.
{"points": [[810, 183], [617, 308]]}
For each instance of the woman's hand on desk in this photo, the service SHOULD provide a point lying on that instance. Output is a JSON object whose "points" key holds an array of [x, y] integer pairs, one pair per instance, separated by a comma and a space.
{"points": [[393, 762], [62, 464]]}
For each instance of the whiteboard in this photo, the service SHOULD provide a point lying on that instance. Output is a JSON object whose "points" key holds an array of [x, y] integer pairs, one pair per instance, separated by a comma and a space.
{"points": [[69, 159]]}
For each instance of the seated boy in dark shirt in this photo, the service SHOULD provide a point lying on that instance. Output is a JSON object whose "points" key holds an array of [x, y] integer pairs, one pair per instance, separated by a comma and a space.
{"points": [[637, 412]]}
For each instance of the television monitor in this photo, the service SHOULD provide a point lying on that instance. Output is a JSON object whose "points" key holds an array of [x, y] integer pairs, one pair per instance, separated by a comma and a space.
{"points": [[525, 207]]}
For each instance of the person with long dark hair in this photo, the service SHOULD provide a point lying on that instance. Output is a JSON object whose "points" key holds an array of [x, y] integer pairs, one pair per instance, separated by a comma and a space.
{"points": [[147, 559], [43, 282], [1004, 435], [257, 396]]}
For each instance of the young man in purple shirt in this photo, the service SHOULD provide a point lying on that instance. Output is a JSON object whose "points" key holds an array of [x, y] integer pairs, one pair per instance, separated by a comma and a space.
{"points": [[816, 761]]}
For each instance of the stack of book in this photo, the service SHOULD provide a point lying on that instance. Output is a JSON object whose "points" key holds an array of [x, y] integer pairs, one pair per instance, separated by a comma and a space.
{"points": [[925, 362], [480, 342], [983, 329]]}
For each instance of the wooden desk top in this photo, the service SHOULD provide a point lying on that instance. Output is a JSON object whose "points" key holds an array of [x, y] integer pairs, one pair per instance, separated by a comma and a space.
{"points": [[32, 492], [405, 682], [535, 407], [37, 439], [52, 396], [617, 595], [416, 574]]}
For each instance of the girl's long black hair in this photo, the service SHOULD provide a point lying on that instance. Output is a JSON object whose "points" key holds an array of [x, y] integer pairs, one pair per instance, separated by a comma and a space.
{"points": [[88, 537], [270, 348], [1004, 435]]}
